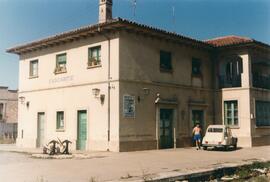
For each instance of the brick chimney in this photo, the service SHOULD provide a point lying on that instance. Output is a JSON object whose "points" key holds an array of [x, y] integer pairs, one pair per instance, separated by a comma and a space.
{"points": [[105, 10]]}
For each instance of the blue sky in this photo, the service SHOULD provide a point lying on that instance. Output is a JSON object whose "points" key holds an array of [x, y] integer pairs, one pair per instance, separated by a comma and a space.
{"points": [[27, 20]]}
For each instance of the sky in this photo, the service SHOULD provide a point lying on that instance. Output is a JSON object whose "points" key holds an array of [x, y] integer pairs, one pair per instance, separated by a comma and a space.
{"points": [[23, 21]]}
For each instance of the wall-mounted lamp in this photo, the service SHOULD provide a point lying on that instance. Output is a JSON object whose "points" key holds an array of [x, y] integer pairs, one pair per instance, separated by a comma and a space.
{"points": [[102, 98], [22, 99], [146, 91], [95, 91], [27, 104]]}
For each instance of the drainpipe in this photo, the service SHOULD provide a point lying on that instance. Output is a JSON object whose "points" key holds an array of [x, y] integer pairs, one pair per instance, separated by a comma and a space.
{"points": [[109, 87]]}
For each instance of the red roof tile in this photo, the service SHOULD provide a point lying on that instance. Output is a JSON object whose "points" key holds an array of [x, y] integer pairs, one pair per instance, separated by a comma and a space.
{"points": [[228, 40]]}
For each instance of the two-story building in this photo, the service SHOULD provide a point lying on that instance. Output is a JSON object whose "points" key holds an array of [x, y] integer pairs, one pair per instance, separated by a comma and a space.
{"points": [[8, 114], [121, 86]]}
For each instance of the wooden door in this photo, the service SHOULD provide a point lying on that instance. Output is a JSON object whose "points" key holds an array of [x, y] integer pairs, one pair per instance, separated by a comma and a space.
{"points": [[166, 129]]}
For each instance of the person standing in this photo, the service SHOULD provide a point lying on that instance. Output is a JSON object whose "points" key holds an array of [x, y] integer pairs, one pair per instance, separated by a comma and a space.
{"points": [[197, 136]]}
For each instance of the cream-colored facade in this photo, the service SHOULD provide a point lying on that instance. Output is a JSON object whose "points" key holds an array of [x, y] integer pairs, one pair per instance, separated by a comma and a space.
{"points": [[129, 100]]}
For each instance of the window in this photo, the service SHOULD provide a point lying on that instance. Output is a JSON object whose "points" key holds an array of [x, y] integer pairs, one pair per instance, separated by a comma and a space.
{"points": [[94, 56], [234, 68], [1, 111], [215, 130], [60, 120], [262, 113], [231, 113], [196, 66], [34, 68], [61, 61], [165, 61]]}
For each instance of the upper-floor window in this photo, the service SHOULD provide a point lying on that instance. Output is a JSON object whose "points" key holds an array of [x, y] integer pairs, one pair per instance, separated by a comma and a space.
{"points": [[61, 61], [234, 69], [94, 56], [196, 66], [165, 61], [1, 111], [231, 113], [33, 68], [60, 123], [262, 113]]}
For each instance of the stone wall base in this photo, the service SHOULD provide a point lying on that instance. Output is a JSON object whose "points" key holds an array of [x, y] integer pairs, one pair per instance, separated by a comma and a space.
{"points": [[184, 142], [261, 140], [126, 146]]}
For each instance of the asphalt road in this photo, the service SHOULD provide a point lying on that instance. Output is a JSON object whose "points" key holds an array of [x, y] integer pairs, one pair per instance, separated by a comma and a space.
{"points": [[18, 167]]}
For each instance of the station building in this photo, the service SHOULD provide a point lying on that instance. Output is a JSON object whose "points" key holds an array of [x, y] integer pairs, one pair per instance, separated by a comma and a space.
{"points": [[122, 86]]}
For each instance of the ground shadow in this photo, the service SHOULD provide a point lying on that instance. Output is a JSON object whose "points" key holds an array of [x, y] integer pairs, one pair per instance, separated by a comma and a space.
{"points": [[222, 149]]}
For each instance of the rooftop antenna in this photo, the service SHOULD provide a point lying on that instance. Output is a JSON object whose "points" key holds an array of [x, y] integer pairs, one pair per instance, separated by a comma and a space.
{"points": [[173, 18], [134, 4]]}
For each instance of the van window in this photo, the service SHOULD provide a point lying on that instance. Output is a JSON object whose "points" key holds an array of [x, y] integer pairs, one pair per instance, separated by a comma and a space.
{"points": [[215, 130]]}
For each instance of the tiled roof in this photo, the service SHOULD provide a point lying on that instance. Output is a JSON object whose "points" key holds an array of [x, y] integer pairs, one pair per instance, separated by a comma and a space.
{"points": [[118, 24], [228, 40], [111, 24]]}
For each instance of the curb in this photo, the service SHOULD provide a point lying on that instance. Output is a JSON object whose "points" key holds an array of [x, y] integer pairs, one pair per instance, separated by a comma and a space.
{"points": [[191, 176]]}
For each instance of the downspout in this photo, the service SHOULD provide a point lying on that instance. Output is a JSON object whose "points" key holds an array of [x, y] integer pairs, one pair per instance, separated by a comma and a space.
{"points": [[109, 87]]}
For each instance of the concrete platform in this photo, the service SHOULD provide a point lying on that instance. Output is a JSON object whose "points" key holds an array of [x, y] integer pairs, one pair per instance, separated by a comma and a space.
{"points": [[127, 166]]}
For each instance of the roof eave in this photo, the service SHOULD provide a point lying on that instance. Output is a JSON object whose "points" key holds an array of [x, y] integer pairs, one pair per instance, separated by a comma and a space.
{"points": [[97, 28]]}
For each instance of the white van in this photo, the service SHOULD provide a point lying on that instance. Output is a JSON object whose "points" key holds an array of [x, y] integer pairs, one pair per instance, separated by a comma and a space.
{"points": [[219, 136]]}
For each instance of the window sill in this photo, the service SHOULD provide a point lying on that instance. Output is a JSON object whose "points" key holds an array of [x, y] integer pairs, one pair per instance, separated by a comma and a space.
{"points": [[60, 72], [162, 70], [60, 130], [94, 66], [234, 127], [33, 77], [199, 75], [262, 127]]}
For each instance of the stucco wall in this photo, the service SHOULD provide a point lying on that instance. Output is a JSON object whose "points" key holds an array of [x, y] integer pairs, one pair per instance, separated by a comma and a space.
{"points": [[260, 134], [70, 92], [139, 68], [77, 58], [243, 130]]}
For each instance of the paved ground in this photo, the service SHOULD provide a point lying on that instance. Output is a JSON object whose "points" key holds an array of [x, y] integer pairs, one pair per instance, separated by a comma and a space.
{"points": [[106, 166]]}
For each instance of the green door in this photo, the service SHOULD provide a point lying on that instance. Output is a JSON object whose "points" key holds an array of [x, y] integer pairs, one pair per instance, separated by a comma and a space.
{"points": [[166, 129], [40, 129], [82, 130]]}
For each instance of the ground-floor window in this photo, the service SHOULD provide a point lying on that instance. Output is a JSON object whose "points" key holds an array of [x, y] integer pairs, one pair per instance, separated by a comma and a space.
{"points": [[231, 113], [262, 113], [1, 111], [60, 120]]}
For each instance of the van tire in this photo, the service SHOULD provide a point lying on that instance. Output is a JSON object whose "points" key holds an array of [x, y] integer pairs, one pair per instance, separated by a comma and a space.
{"points": [[204, 148]]}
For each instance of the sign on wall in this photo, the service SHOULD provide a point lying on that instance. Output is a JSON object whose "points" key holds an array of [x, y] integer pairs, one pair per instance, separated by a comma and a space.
{"points": [[129, 106], [61, 79]]}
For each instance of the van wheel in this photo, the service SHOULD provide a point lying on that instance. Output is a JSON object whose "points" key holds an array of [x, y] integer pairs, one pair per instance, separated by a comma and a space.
{"points": [[204, 148]]}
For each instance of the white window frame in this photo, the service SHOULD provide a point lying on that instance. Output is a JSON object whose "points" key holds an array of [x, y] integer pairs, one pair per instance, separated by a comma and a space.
{"points": [[32, 73]]}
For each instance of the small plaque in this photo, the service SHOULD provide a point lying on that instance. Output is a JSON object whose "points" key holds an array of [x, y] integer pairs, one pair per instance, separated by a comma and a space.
{"points": [[129, 106]]}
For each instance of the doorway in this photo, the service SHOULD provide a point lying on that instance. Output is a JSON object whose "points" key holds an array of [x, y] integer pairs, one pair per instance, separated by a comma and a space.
{"points": [[166, 129], [40, 129], [81, 130], [198, 118]]}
